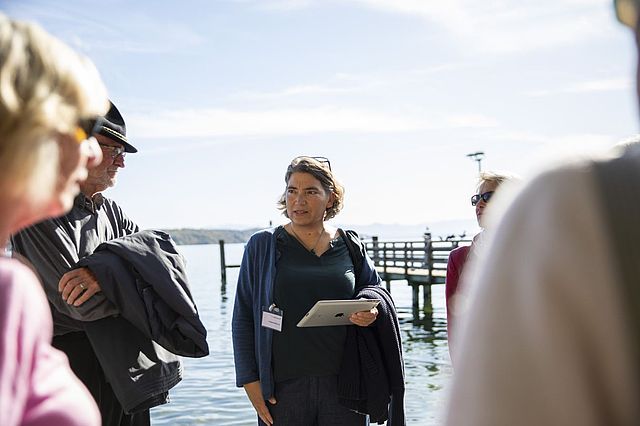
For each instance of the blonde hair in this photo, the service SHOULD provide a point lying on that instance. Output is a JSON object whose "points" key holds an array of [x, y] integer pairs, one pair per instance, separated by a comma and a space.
{"points": [[45, 90], [494, 177], [629, 143], [321, 172]]}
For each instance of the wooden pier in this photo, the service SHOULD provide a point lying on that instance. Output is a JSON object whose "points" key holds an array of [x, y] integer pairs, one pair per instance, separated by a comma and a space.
{"points": [[421, 263]]}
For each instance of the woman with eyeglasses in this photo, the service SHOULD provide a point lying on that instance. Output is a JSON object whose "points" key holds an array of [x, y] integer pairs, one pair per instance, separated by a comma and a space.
{"points": [[49, 98], [488, 183], [290, 373]]}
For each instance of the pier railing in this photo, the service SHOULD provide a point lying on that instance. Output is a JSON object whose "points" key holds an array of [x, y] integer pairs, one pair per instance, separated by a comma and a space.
{"points": [[421, 263], [424, 260]]}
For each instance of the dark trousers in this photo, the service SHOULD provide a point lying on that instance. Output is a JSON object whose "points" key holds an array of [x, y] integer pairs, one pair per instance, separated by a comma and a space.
{"points": [[85, 365], [311, 401]]}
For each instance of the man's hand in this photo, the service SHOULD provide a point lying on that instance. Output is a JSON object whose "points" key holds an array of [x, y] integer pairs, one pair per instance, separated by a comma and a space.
{"points": [[364, 318], [255, 396], [78, 285]]}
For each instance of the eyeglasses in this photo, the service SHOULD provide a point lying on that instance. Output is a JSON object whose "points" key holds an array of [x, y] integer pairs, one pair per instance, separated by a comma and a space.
{"points": [[484, 197], [627, 12], [321, 160], [114, 151], [85, 129]]}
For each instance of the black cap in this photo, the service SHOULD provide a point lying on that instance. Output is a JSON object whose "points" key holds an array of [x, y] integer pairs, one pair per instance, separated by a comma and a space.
{"points": [[112, 126]]}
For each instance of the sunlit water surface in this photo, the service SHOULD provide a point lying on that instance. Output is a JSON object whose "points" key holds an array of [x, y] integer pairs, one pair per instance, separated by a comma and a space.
{"points": [[207, 394]]}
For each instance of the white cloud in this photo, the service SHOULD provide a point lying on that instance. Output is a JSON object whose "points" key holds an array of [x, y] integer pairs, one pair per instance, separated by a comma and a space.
{"points": [[574, 147], [295, 91], [283, 5], [349, 83], [548, 150], [602, 86], [88, 31], [591, 86], [438, 68], [192, 123], [507, 26], [574, 141], [471, 120], [222, 122], [492, 26], [339, 84]]}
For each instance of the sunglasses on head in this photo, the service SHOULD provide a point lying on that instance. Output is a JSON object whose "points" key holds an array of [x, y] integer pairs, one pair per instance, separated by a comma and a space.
{"points": [[627, 12], [321, 160], [484, 197], [85, 129]]}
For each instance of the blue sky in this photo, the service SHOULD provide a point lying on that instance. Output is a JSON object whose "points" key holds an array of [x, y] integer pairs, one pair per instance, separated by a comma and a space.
{"points": [[220, 95]]}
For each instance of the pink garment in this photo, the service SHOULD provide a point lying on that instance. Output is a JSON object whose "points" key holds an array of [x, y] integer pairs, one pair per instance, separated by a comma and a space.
{"points": [[37, 386], [455, 301], [457, 259]]}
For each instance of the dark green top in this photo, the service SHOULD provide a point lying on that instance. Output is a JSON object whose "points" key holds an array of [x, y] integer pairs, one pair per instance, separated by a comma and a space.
{"points": [[302, 278]]}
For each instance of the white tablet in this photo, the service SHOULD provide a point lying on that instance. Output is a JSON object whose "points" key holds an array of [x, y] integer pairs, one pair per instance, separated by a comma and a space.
{"points": [[335, 312]]}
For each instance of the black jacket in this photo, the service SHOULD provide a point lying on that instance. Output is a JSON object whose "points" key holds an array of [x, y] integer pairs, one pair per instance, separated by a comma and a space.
{"points": [[144, 276], [371, 378]]}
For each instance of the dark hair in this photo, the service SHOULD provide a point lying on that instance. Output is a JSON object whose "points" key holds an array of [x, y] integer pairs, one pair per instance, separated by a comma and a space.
{"points": [[323, 173]]}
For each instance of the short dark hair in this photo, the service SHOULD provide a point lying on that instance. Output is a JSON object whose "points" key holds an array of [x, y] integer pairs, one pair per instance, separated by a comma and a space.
{"points": [[323, 173]]}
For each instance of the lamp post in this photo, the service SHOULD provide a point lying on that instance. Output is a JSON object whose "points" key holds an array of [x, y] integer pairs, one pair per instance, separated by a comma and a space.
{"points": [[477, 156]]}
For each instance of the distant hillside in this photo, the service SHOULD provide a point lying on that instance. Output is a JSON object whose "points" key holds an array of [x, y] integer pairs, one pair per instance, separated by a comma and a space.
{"points": [[439, 230], [444, 228], [209, 236]]}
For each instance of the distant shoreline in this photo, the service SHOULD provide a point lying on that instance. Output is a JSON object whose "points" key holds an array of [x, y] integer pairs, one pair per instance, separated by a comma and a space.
{"points": [[189, 236], [439, 231]]}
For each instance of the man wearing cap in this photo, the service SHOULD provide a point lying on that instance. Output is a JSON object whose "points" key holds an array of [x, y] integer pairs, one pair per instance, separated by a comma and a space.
{"points": [[54, 246]]}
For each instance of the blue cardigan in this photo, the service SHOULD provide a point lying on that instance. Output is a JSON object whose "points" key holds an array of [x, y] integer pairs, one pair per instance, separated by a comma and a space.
{"points": [[254, 294]]}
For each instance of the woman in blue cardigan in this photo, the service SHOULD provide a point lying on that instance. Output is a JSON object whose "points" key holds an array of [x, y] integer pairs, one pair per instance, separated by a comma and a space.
{"points": [[290, 373]]}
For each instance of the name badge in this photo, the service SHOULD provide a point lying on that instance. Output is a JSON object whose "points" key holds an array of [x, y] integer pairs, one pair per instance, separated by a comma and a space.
{"points": [[272, 318]]}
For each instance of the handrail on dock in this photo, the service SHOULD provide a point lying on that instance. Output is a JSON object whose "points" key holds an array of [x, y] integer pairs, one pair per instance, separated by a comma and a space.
{"points": [[421, 263], [413, 259]]}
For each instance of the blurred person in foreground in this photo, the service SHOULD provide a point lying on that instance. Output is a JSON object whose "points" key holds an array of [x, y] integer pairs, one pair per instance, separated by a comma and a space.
{"points": [[553, 333], [122, 309], [49, 100], [488, 183], [309, 376]]}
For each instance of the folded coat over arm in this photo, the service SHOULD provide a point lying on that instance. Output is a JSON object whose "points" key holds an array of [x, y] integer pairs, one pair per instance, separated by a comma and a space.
{"points": [[144, 276]]}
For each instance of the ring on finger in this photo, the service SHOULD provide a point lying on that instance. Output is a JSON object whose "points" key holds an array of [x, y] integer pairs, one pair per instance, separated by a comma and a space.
{"points": [[82, 286]]}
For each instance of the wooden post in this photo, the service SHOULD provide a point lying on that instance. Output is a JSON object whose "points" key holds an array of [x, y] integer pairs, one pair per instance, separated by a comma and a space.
{"points": [[427, 307], [223, 265], [415, 300], [376, 251], [406, 259], [384, 258], [428, 254]]}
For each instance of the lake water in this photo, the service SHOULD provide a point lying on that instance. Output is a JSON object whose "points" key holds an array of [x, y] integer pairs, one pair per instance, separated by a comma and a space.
{"points": [[207, 394]]}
